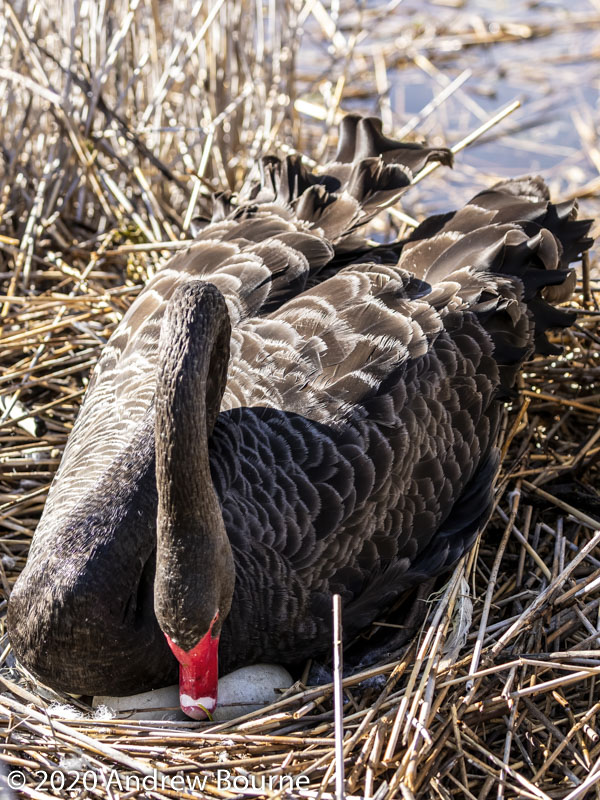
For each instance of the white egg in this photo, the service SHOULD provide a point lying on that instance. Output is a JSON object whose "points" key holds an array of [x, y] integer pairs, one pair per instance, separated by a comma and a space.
{"points": [[240, 692], [250, 688], [161, 704]]}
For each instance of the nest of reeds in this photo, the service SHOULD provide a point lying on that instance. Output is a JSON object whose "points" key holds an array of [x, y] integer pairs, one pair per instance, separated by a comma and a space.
{"points": [[118, 121]]}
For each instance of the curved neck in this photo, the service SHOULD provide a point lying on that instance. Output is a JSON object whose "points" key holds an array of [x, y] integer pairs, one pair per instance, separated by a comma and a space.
{"points": [[194, 571]]}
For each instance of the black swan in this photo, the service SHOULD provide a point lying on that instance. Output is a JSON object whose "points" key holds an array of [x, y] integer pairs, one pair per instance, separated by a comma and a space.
{"points": [[284, 413]]}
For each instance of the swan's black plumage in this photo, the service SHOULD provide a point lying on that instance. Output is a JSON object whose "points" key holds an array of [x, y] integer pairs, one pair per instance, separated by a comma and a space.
{"points": [[355, 448]]}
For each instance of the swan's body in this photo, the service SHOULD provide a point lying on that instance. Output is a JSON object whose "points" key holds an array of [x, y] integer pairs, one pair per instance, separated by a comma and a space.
{"points": [[354, 451]]}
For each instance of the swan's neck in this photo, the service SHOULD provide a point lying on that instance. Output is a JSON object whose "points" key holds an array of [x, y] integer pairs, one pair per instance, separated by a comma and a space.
{"points": [[194, 567]]}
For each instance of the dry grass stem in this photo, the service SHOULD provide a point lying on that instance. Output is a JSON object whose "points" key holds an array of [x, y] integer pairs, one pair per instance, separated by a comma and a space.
{"points": [[119, 119]]}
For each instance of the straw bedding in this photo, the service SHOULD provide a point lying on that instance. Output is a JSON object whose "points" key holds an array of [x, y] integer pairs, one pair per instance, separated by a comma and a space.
{"points": [[117, 122]]}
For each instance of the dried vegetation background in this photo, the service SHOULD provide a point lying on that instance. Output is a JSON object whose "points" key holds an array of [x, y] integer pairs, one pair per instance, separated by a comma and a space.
{"points": [[117, 121]]}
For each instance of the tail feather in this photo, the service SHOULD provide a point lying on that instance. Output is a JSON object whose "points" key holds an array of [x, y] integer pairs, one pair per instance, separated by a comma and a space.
{"points": [[516, 201], [505, 256], [514, 232], [369, 172], [362, 137]]}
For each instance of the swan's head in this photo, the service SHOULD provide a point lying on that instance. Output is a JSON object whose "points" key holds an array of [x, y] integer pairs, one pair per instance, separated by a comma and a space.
{"points": [[198, 674], [193, 591]]}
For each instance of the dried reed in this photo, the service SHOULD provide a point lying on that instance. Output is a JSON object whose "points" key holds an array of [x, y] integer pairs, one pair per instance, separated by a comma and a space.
{"points": [[118, 120]]}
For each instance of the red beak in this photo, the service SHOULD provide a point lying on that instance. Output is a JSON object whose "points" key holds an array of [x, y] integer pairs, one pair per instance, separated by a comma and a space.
{"points": [[198, 675]]}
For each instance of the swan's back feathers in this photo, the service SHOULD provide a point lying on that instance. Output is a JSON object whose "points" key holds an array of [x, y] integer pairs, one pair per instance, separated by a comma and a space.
{"points": [[258, 252], [330, 348]]}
